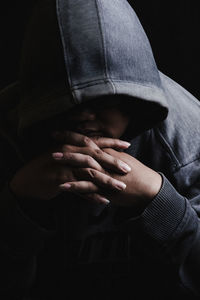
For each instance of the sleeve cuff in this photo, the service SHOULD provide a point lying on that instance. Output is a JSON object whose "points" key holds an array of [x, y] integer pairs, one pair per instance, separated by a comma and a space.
{"points": [[162, 216]]}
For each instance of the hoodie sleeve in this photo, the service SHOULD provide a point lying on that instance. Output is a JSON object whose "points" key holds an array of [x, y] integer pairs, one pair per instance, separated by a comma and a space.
{"points": [[170, 225], [21, 240]]}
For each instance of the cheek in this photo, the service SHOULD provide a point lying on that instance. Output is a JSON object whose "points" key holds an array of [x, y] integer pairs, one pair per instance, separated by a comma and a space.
{"points": [[115, 123]]}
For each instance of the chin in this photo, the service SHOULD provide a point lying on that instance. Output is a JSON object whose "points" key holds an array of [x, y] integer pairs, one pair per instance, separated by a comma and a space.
{"points": [[100, 136], [95, 136]]}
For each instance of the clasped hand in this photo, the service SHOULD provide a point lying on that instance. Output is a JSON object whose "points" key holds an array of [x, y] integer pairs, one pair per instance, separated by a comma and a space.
{"points": [[104, 174], [93, 168]]}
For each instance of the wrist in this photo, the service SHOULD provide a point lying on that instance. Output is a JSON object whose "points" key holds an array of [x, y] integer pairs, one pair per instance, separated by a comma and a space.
{"points": [[151, 191], [154, 186]]}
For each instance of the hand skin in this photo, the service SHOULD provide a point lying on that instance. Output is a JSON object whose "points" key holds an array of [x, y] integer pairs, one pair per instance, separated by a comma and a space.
{"points": [[42, 177], [142, 183]]}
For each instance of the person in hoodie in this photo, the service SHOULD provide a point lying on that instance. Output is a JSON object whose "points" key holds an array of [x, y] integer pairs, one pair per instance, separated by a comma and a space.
{"points": [[100, 157]]}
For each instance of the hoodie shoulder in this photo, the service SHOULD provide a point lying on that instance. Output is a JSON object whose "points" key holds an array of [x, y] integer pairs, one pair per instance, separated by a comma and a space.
{"points": [[180, 131]]}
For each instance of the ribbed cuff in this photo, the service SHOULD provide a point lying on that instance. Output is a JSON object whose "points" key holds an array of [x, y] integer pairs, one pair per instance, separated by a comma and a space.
{"points": [[162, 217], [17, 230], [164, 214]]}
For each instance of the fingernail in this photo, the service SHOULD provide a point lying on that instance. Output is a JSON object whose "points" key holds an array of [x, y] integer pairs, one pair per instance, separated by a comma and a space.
{"points": [[57, 155], [65, 186], [120, 186], [126, 144], [104, 200], [125, 167]]}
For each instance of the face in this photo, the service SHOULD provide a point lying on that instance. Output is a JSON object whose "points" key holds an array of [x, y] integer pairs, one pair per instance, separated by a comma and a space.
{"points": [[99, 118], [106, 117]]}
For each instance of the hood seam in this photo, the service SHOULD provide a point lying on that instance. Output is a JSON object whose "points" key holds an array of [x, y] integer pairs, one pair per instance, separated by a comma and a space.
{"points": [[168, 148], [97, 4], [90, 83], [102, 40], [64, 48]]}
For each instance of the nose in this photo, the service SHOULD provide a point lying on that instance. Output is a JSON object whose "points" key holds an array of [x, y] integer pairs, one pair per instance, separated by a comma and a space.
{"points": [[85, 114], [88, 114]]}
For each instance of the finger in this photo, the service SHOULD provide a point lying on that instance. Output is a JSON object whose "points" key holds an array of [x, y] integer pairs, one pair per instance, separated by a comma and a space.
{"points": [[99, 178], [110, 162], [86, 190], [103, 159], [73, 138], [77, 160], [81, 187], [104, 142], [94, 197], [78, 139]]}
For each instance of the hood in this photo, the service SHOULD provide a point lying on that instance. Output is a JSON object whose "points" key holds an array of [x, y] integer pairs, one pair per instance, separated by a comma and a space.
{"points": [[76, 51]]}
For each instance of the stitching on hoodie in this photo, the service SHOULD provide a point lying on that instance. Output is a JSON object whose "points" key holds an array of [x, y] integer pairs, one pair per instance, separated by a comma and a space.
{"points": [[106, 80], [102, 38], [65, 52], [167, 146], [186, 164], [98, 3]]}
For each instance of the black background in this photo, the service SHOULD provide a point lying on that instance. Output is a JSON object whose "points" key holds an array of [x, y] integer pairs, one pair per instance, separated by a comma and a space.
{"points": [[172, 28]]}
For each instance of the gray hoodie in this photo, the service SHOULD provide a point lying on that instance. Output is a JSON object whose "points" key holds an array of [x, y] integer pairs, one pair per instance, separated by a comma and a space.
{"points": [[76, 51]]}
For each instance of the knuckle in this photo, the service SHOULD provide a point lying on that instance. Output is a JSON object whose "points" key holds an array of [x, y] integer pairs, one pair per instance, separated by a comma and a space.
{"points": [[116, 162], [98, 152], [108, 150], [91, 172], [96, 139], [116, 141], [68, 156], [89, 160], [73, 186], [109, 181], [86, 141]]}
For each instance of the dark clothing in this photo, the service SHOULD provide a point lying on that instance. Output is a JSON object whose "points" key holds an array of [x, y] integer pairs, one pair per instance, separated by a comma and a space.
{"points": [[68, 249]]}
